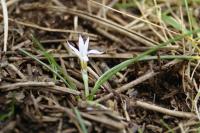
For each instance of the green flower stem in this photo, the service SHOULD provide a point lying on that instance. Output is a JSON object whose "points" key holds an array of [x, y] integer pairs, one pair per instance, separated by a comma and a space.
{"points": [[85, 77], [85, 80]]}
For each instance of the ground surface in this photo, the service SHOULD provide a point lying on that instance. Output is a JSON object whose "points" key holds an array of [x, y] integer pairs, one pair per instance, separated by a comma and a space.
{"points": [[150, 95]]}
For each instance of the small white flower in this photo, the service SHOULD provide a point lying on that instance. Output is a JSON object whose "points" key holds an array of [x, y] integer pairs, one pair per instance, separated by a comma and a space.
{"points": [[83, 52]]}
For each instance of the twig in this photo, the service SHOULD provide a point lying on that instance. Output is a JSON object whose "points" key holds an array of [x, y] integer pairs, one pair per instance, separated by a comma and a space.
{"points": [[163, 110], [188, 124], [109, 56], [129, 85], [60, 126], [108, 35], [11, 2], [21, 44], [48, 29], [8, 127], [25, 84], [107, 122], [97, 76], [196, 99], [49, 86], [131, 16], [5, 21], [58, 3], [65, 90], [14, 68], [107, 23]]}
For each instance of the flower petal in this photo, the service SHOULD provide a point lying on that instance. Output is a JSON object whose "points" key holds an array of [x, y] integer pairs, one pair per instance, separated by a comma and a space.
{"points": [[75, 50], [81, 45], [94, 52], [86, 46]]}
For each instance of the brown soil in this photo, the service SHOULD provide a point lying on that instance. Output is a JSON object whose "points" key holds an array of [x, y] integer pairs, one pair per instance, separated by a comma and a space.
{"points": [[33, 101]]}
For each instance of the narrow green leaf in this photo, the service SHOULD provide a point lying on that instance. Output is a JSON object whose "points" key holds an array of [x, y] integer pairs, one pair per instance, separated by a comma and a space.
{"points": [[48, 67], [194, 22], [167, 126], [53, 64], [81, 122], [11, 111], [108, 74], [174, 23], [47, 55], [188, 14]]}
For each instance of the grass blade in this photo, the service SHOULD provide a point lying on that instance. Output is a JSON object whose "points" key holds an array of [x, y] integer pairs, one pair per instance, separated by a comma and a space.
{"points": [[167, 126], [48, 56], [48, 67], [188, 14], [11, 111], [54, 65], [81, 122], [108, 74], [174, 23]]}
